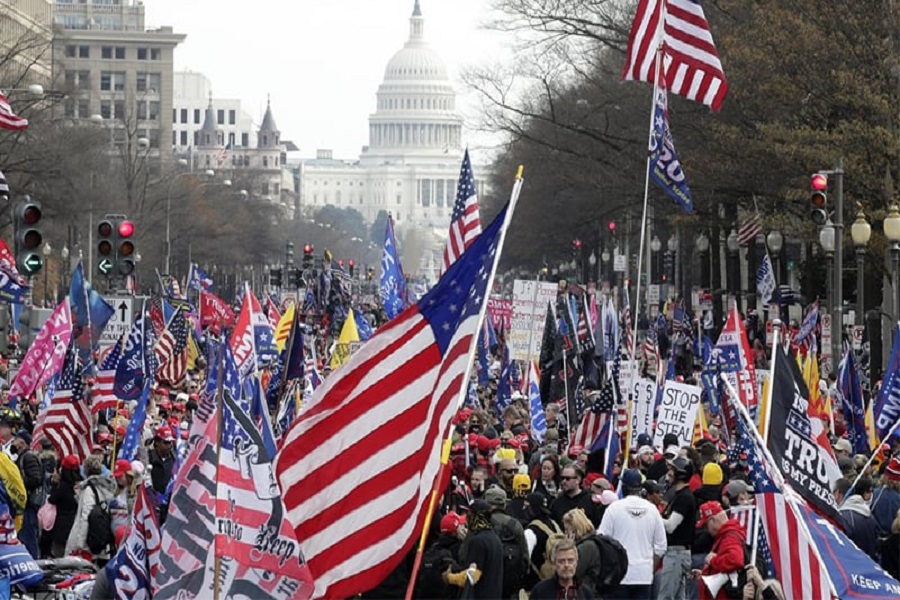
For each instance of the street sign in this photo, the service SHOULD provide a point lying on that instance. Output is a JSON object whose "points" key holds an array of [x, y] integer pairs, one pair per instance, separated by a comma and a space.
{"points": [[105, 266], [33, 263], [121, 320], [620, 263], [653, 295], [858, 331]]}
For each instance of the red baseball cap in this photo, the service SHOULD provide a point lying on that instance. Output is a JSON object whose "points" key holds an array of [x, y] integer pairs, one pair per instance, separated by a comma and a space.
{"points": [[121, 468], [709, 510], [165, 434], [71, 462], [451, 522]]}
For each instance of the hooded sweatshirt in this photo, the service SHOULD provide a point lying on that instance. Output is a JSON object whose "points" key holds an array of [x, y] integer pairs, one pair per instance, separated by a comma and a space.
{"points": [[860, 526], [106, 489]]}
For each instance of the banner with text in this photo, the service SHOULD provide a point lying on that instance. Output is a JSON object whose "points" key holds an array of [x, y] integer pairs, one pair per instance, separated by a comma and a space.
{"points": [[642, 409], [529, 307], [677, 412]]}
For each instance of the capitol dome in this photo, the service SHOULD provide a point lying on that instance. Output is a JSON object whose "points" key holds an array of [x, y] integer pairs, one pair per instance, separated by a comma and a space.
{"points": [[416, 112]]}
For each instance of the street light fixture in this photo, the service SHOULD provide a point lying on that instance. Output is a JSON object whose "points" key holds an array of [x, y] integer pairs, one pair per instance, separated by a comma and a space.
{"points": [[702, 245], [46, 251], [860, 233], [775, 242], [732, 242], [592, 261], [892, 233]]}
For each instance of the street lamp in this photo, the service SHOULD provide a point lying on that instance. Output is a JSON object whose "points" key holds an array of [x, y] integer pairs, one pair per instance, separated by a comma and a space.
{"points": [[733, 244], [592, 261], [775, 242], [860, 233], [655, 247], [827, 241], [46, 251], [702, 245], [892, 233]]}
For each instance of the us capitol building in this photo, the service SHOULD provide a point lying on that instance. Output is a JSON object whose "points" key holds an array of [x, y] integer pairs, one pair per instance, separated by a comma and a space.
{"points": [[411, 165]]}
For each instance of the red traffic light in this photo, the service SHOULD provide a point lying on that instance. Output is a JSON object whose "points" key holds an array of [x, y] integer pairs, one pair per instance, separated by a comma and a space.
{"points": [[352, 263], [819, 182], [31, 214], [576, 243], [308, 249], [126, 229], [105, 229], [612, 226]]}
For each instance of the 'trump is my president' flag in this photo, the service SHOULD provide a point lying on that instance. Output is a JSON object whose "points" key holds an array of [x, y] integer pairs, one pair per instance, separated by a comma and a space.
{"points": [[383, 417]]}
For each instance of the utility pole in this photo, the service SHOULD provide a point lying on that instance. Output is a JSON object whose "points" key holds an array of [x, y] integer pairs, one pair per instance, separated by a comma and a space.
{"points": [[837, 318]]}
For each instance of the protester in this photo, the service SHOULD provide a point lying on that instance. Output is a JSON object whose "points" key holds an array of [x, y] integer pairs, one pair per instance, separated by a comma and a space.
{"points": [[679, 523], [638, 526], [63, 497], [512, 537], [95, 489], [33, 477], [521, 489], [572, 495], [540, 528], [563, 583], [441, 555], [886, 498], [580, 530], [483, 555], [727, 555], [549, 481], [859, 524]]}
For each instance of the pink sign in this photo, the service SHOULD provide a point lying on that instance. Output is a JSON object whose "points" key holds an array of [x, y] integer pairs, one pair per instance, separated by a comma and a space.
{"points": [[500, 311], [45, 357]]}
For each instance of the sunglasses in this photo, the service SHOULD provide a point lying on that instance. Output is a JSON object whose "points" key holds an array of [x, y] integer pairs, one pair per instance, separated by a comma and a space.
{"points": [[509, 470], [568, 477]]}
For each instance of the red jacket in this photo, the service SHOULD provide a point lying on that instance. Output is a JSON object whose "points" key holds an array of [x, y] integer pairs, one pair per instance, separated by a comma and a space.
{"points": [[729, 555]]}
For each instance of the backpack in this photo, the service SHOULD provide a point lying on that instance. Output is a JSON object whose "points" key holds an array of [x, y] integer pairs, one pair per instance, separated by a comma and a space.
{"points": [[429, 583], [733, 590], [613, 562], [99, 525], [514, 560], [546, 568]]}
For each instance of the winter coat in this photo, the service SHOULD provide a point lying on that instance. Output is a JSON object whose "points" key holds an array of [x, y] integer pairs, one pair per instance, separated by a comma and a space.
{"points": [[63, 497], [860, 526], [32, 472], [729, 554], [106, 489]]}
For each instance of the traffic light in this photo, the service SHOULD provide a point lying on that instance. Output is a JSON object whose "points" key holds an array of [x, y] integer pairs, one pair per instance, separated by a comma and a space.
{"points": [[576, 247], [668, 265], [275, 278], [106, 258], [125, 248], [351, 265], [308, 257], [28, 237], [297, 278], [370, 273], [818, 198], [289, 254]]}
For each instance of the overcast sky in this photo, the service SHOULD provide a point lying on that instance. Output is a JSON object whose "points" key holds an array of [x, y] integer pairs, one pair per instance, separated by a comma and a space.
{"points": [[321, 60]]}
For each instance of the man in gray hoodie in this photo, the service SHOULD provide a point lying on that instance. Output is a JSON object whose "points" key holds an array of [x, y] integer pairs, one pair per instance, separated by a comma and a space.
{"points": [[95, 488], [859, 524]]}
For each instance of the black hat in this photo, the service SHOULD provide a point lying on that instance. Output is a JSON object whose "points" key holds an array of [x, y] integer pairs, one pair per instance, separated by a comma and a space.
{"points": [[480, 506], [651, 487], [538, 501]]}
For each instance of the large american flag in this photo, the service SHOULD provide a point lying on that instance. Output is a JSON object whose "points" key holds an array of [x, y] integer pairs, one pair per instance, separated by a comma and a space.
{"points": [[171, 352], [9, 119], [381, 419], [104, 396], [465, 225], [795, 562], [750, 227], [692, 65], [67, 419]]}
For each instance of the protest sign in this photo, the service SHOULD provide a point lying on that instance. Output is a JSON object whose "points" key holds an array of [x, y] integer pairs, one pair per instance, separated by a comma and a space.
{"points": [[677, 412]]}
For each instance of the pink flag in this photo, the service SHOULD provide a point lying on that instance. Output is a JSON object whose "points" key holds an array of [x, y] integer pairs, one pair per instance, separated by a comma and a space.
{"points": [[45, 357]]}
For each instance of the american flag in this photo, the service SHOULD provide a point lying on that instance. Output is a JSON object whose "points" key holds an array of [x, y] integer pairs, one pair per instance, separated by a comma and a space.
{"points": [[692, 65], [651, 348], [104, 397], [750, 227], [592, 423], [626, 320], [465, 225], [67, 420], [795, 561], [171, 352], [4, 186], [579, 399], [386, 413], [9, 119], [222, 155]]}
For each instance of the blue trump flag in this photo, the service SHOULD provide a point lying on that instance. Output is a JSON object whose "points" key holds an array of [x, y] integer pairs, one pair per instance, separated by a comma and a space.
{"points": [[90, 314], [887, 406], [138, 362], [393, 285], [854, 405], [362, 325], [538, 419], [665, 168], [136, 426], [198, 279]]}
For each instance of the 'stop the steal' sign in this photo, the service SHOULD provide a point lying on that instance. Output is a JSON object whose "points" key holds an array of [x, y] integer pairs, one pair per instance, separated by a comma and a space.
{"points": [[677, 412]]}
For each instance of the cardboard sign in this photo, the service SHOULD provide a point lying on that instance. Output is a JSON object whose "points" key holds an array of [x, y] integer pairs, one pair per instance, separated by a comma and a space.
{"points": [[677, 412], [529, 309], [642, 408]]}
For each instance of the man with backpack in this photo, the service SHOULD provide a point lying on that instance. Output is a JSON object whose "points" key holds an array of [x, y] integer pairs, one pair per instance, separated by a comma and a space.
{"points": [[728, 555], [33, 476], [91, 533], [512, 538], [562, 583], [542, 531], [638, 526], [442, 554]]}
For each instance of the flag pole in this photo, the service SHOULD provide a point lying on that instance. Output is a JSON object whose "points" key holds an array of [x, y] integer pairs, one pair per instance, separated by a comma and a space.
{"points": [[779, 480], [766, 418], [463, 390], [875, 453]]}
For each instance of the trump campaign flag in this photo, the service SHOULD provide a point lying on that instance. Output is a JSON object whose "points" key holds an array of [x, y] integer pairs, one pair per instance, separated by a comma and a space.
{"points": [[665, 168], [887, 406], [198, 279], [765, 280], [393, 284], [215, 312], [384, 416], [46, 354], [132, 569], [538, 419]]}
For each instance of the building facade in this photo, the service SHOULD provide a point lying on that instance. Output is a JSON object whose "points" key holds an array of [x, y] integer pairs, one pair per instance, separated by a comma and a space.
{"points": [[25, 42], [411, 164], [192, 94], [108, 64]]}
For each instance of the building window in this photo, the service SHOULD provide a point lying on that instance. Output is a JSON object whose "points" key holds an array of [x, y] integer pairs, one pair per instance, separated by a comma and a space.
{"points": [[183, 115], [120, 52], [174, 141], [153, 110], [265, 161], [106, 52], [196, 138], [142, 53], [220, 117], [232, 117], [119, 109], [112, 81], [245, 139], [265, 141], [197, 116], [184, 138], [174, 115], [155, 54]]}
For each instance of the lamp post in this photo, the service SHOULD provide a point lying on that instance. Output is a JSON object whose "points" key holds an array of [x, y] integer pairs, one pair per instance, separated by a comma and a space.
{"points": [[604, 258], [702, 245], [827, 241], [672, 245], [860, 232], [733, 244], [65, 268], [775, 242], [592, 261], [46, 251], [892, 233], [655, 247]]}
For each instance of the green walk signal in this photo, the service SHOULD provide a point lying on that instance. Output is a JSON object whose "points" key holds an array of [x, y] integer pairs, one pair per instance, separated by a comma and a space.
{"points": [[105, 266], [32, 263]]}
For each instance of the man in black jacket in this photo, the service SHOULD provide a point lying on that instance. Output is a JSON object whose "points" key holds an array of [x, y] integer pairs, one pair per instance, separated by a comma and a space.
{"points": [[483, 555], [33, 477], [162, 462], [562, 584], [572, 495]]}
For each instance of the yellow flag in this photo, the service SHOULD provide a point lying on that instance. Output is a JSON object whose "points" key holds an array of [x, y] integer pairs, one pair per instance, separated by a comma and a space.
{"points": [[193, 351], [283, 330], [700, 426], [349, 334]]}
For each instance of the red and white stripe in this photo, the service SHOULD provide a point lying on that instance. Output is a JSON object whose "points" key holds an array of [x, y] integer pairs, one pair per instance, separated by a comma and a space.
{"points": [[749, 229], [691, 63], [9, 119], [104, 397], [465, 224], [382, 428], [589, 428], [799, 570], [67, 424]]}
